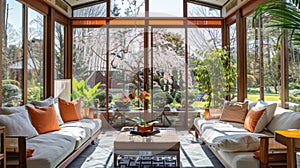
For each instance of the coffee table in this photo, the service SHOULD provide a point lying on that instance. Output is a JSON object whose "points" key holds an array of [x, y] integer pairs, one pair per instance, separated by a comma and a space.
{"points": [[165, 143]]}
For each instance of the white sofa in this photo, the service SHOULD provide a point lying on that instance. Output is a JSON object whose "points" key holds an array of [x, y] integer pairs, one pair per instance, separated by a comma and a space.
{"points": [[233, 145], [51, 149]]}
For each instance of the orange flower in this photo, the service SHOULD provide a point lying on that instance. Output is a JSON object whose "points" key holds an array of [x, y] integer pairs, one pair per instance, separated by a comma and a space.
{"points": [[131, 95], [144, 96]]}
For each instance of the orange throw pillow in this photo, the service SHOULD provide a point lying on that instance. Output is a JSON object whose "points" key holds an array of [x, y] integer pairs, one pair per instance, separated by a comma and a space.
{"points": [[70, 111], [43, 119], [252, 118]]}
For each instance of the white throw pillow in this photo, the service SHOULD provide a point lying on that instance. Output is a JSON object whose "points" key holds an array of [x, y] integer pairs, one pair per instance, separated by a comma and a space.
{"points": [[58, 116], [266, 116], [286, 120], [250, 103], [18, 124], [237, 143]]}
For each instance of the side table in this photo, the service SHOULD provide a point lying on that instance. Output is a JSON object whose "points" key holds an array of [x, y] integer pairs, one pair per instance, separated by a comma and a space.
{"points": [[2, 150], [289, 138]]}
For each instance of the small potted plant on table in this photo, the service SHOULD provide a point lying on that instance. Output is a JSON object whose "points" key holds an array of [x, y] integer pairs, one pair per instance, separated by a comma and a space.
{"points": [[144, 126]]}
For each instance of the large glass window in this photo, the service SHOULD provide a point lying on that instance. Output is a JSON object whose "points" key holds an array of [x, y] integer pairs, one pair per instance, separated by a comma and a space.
{"points": [[293, 88], [166, 8], [233, 58], [168, 64], [12, 54], [263, 62], [126, 70], [59, 51], [35, 59], [129, 8], [89, 64], [195, 10], [207, 80], [98, 10]]}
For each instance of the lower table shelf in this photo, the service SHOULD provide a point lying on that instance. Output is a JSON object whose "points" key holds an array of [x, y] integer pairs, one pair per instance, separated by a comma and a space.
{"points": [[147, 161]]}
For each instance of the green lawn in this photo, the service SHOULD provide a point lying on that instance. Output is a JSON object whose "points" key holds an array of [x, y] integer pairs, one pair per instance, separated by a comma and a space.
{"points": [[268, 97]]}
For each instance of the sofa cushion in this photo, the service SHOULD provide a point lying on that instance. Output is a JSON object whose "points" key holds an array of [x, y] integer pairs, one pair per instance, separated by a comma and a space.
{"points": [[93, 124], [70, 111], [240, 159], [43, 119], [43, 103], [11, 110], [49, 149], [18, 124], [81, 134], [227, 136], [286, 120], [252, 118], [234, 111]]}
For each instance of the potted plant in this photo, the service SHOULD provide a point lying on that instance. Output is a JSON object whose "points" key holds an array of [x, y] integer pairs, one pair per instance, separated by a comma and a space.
{"points": [[143, 126], [215, 74], [87, 94]]}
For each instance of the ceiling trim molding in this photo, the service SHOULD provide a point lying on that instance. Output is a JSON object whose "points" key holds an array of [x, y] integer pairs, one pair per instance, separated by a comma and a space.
{"points": [[88, 4], [67, 3], [207, 4]]}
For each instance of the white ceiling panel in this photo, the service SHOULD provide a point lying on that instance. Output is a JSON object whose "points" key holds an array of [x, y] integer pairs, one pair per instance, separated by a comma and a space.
{"points": [[79, 2], [214, 2], [82, 2]]}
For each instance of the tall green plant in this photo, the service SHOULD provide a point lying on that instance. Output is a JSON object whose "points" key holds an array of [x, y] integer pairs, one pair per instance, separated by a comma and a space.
{"points": [[283, 14], [215, 75], [83, 91]]}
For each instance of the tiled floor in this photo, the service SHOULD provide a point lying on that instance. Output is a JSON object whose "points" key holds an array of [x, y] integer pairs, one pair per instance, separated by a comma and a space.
{"points": [[192, 154]]}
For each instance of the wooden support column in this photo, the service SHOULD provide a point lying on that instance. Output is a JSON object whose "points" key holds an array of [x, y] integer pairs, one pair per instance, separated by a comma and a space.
{"points": [[241, 56], [284, 93], [25, 53], [49, 64], [1, 30], [68, 54]]}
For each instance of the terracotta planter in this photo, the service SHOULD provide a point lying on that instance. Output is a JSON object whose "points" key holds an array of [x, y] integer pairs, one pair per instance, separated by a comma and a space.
{"points": [[145, 128], [87, 112]]}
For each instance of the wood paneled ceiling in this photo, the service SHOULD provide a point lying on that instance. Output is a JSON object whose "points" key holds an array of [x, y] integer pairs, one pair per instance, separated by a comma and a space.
{"points": [[76, 3]]}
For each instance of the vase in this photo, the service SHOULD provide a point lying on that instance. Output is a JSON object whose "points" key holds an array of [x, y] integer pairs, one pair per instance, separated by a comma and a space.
{"points": [[145, 128]]}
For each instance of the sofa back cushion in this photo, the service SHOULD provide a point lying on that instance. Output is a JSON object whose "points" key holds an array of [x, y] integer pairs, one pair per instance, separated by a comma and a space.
{"points": [[43, 103], [11, 110], [252, 118], [234, 111], [18, 124], [70, 111], [43, 119], [286, 120]]}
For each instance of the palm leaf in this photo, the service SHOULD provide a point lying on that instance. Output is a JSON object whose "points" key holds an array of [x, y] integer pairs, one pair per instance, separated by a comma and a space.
{"points": [[284, 15]]}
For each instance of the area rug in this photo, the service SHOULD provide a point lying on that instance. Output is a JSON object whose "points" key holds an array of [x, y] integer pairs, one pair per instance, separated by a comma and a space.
{"points": [[192, 153]]}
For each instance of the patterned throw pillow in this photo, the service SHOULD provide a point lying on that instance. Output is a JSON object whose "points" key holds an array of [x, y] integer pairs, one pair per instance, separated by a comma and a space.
{"points": [[234, 111]]}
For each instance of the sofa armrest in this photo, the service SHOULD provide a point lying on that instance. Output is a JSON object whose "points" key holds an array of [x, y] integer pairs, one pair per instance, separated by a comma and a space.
{"points": [[19, 151], [270, 151]]}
